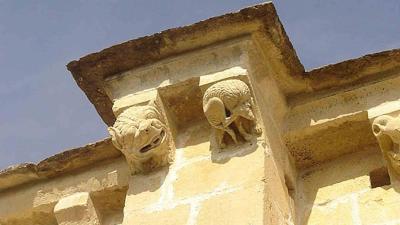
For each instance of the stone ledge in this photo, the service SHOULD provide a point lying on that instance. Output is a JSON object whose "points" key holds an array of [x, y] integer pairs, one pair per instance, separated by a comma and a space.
{"points": [[58, 164], [353, 70], [346, 75], [18, 174], [77, 158]]}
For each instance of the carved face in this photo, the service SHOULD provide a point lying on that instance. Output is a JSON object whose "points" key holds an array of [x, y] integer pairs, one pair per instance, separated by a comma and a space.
{"points": [[142, 137], [149, 136], [141, 140]]}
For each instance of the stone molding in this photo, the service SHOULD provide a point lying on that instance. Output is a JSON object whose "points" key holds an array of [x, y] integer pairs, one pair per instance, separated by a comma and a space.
{"points": [[58, 164]]}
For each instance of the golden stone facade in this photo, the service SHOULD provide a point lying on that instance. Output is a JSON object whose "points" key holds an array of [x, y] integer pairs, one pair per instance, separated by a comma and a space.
{"points": [[218, 123]]}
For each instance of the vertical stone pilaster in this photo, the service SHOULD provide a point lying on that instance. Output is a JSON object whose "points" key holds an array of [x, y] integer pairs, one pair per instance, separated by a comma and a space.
{"points": [[76, 209]]}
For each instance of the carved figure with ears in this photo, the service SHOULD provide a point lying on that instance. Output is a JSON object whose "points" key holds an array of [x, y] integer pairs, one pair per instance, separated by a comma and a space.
{"points": [[141, 135], [228, 102], [387, 131]]}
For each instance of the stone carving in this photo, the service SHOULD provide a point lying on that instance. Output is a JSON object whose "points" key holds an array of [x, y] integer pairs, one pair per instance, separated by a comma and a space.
{"points": [[228, 102], [387, 131], [141, 135]]}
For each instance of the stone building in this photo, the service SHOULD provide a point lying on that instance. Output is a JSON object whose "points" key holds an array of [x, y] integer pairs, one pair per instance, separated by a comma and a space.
{"points": [[289, 147]]}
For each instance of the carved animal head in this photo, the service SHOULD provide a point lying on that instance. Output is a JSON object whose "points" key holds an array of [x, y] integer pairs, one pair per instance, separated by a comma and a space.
{"points": [[244, 110], [142, 137], [387, 125]]}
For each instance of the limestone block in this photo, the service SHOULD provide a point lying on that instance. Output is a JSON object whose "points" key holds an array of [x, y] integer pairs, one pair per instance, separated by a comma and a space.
{"points": [[175, 216], [141, 98], [144, 190], [236, 208], [234, 72], [328, 182], [339, 214], [76, 209], [227, 171], [41, 197], [379, 205]]}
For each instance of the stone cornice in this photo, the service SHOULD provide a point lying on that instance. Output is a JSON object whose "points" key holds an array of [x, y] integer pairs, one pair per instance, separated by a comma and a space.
{"points": [[353, 70], [58, 164]]}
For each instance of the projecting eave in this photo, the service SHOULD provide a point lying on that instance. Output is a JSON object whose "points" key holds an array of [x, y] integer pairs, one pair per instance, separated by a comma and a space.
{"points": [[354, 70], [59, 164], [349, 74]]}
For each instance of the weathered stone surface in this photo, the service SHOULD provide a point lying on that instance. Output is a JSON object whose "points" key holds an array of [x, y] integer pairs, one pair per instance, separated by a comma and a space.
{"points": [[176, 216], [18, 174], [343, 176], [110, 178], [379, 205], [198, 150], [144, 190], [56, 165], [76, 209], [77, 158], [330, 140], [355, 71], [205, 176], [183, 102], [244, 206], [322, 126], [339, 214]]}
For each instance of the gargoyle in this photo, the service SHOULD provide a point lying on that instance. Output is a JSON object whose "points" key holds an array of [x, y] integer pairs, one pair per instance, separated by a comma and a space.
{"points": [[141, 135], [387, 130], [228, 102]]}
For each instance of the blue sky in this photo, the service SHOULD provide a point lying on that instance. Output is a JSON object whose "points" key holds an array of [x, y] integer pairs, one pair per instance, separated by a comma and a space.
{"points": [[43, 111]]}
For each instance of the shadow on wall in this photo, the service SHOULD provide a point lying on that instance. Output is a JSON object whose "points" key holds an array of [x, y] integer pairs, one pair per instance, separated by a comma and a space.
{"points": [[200, 133], [323, 184], [239, 150], [150, 182]]}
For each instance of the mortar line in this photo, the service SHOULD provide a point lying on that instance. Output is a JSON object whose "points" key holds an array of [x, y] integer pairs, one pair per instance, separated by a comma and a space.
{"points": [[194, 212], [355, 210]]}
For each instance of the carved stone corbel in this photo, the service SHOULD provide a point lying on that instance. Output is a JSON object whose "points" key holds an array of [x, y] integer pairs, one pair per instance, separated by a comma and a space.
{"points": [[141, 134], [387, 131], [228, 103]]}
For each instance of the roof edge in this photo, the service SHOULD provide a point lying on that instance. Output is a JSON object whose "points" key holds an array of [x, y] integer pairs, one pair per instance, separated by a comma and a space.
{"points": [[354, 70], [59, 164]]}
